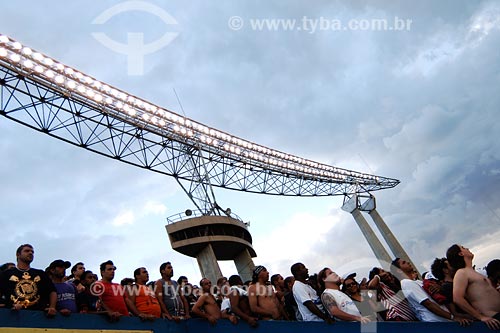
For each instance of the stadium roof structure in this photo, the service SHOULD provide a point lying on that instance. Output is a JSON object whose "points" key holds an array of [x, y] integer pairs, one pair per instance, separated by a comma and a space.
{"points": [[48, 96]]}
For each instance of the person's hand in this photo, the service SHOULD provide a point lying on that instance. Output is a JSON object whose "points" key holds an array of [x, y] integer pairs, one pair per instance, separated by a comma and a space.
{"points": [[252, 322], [114, 316], [51, 312], [434, 288], [212, 320], [167, 316], [463, 321], [17, 306], [364, 320], [65, 312], [233, 319], [329, 320], [492, 323]]}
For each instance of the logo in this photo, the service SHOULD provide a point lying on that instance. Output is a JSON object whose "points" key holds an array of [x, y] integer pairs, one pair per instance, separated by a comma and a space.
{"points": [[135, 49]]}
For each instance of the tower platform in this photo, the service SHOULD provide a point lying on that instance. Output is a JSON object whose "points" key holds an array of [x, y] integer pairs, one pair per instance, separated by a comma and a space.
{"points": [[213, 238]]}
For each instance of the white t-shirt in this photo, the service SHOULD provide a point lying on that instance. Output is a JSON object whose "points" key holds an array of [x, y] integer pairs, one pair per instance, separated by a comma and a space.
{"points": [[303, 292], [344, 302], [415, 294], [226, 304]]}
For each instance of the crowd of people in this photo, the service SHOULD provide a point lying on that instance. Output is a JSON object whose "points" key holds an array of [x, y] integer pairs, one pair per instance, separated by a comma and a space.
{"points": [[452, 291]]}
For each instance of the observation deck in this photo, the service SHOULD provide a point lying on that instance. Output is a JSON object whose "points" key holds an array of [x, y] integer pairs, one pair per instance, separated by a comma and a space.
{"points": [[229, 236], [210, 238]]}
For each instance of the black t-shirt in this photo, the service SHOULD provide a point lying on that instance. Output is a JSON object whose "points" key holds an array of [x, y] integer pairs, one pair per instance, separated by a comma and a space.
{"points": [[447, 291], [30, 288], [87, 302]]}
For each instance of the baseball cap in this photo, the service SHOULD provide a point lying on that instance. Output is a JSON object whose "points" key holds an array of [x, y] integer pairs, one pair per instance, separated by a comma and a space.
{"points": [[60, 263]]}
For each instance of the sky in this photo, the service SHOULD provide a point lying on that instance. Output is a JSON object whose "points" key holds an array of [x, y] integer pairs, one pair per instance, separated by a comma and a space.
{"points": [[418, 102]]}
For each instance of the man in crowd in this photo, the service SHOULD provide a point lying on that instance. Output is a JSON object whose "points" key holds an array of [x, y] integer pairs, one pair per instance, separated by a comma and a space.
{"points": [[261, 296], [76, 274], [472, 292], [87, 301], [424, 307], [28, 288], [206, 306], [173, 303], [390, 295], [144, 303], [66, 291], [238, 301], [113, 297], [308, 302]]}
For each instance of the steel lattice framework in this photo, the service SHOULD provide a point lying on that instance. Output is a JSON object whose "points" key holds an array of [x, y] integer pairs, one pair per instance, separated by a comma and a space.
{"points": [[41, 93]]}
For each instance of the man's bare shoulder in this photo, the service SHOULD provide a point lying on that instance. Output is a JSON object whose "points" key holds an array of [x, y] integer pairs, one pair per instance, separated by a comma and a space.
{"points": [[252, 290], [466, 272]]}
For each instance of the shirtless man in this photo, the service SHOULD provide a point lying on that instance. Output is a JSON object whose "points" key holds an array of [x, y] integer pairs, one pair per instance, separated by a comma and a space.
{"points": [[206, 306], [238, 300], [473, 292], [261, 296]]}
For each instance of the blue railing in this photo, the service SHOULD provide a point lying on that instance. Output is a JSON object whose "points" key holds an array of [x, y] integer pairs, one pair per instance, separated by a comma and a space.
{"points": [[94, 323]]}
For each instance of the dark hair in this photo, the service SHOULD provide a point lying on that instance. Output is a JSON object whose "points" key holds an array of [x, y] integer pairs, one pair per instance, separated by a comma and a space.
{"points": [[437, 268], [137, 271], [104, 264], [73, 269], [84, 275], [321, 278], [373, 272], [493, 270], [126, 281], [454, 258], [287, 281], [395, 266], [5, 266], [21, 247], [162, 266], [294, 269], [344, 288], [182, 277], [274, 278], [221, 281], [234, 280]]}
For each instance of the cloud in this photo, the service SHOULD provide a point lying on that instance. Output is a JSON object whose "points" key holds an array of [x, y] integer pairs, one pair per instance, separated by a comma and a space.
{"points": [[155, 208], [123, 219], [420, 106]]}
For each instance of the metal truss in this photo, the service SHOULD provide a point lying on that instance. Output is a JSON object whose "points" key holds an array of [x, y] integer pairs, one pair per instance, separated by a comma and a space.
{"points": [[43, 106]]}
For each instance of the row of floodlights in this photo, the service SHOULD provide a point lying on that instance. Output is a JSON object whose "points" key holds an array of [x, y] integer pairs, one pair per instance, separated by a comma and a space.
{"points": [[67, 78]]}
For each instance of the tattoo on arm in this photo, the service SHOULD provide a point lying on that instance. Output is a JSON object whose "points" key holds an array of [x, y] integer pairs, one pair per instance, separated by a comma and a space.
{"points": [[328, 302]]}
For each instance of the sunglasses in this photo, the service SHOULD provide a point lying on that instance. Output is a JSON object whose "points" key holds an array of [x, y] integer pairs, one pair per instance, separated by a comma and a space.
{"points": [[349, 285]]}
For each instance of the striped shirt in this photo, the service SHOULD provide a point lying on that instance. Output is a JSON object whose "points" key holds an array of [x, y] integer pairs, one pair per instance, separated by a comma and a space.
{"points": [[396, 304]]}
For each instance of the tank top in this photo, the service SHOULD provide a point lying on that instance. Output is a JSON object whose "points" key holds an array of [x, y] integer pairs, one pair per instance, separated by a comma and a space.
{"points": [[146, 302], [172, 298]]}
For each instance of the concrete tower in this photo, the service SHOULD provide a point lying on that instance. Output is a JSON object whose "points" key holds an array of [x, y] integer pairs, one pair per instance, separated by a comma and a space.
{"points": [[213, 238]]}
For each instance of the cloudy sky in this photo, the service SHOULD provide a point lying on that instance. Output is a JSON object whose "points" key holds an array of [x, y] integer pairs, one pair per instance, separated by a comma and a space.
{"points": [[419, 104]]}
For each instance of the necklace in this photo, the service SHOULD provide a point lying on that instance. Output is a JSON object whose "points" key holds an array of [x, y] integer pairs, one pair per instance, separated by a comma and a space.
{"points": [[22, 270]]}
